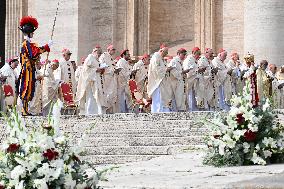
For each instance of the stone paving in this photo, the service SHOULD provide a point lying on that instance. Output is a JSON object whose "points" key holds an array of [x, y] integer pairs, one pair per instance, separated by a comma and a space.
{"points": [[186, 170]]}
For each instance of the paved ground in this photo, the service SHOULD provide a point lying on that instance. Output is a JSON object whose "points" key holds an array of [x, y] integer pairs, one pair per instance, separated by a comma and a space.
{"points": [[184, 171]]}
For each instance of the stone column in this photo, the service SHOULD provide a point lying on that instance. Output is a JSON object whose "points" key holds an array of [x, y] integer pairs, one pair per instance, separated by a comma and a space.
{"points": [[263, 30], [15, 9], [233, 26], [131, 32], [204, 24], [136, 32]]}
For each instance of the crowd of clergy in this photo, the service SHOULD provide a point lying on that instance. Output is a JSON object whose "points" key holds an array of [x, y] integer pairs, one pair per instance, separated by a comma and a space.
{"points": [[189, 81]]}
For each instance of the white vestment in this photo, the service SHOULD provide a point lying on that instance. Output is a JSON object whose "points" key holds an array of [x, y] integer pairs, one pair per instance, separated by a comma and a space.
{"points": [[222, 83], [50, 90], [110, 83], [190, 64], [89, 91], [235, 77], [156, 83], [124, 97], [175, 80], [205, 89], [278, 94]]}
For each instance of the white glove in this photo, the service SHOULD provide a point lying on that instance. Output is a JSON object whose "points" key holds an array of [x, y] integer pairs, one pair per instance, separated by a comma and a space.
{"points": [[50, 43]]}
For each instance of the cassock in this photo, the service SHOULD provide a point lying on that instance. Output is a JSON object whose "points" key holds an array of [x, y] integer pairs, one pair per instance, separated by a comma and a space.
{"points": [[206, 87], [191, 80], [89, 91], [176, 84], [50, 89], [222, 84], [109, 85], [124, 97], [156, 88]]}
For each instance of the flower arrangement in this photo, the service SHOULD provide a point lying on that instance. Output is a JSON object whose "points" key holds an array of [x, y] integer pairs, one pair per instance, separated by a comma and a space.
{"points": [[41, 158], [247, 135]]}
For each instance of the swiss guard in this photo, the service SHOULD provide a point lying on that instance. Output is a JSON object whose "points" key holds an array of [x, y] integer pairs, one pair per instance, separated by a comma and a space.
{"points": [[30, 54]]}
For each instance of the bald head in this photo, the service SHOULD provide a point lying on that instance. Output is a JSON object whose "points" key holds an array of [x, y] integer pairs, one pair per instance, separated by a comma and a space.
{"points": [[272, 68]]}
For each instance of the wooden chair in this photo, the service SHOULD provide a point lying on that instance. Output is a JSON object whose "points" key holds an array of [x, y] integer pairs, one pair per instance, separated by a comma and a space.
{"points": [[68, 99], [138, 101]]}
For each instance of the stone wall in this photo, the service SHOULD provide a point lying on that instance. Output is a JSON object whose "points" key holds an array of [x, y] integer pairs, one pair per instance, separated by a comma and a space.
{"points": [[233, 26], [171, 22], [66, 29]]}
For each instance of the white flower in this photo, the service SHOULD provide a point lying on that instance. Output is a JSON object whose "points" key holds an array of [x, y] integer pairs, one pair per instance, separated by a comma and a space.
{"points": [[236, 100], [44, 141], [40, 183], [267, 153], [253, 128], [266, 105], [234, 111], [60, 139], [269, 142], [257, 147], [20, 185], [17, 172], [238, 133], [69, 182], [222, 148], [45, 171], [257, 160], [246, 147]]}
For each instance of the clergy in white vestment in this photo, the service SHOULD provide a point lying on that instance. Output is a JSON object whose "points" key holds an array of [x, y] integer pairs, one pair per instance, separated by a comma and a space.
{"points": [[206, 85], [222, 81], [124, 97], [8, 72], [110, 80], [140, 70], [89, 92], [66, 71], [176, 82], [35, 106], [156, 88], [235, 75], [191, 69], [50, 87], [275, 85], [279, 88]]}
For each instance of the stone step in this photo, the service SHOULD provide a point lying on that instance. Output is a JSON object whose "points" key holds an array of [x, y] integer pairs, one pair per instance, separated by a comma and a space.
{"points": [[137, 150], [144, 141], [117, 159]]}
